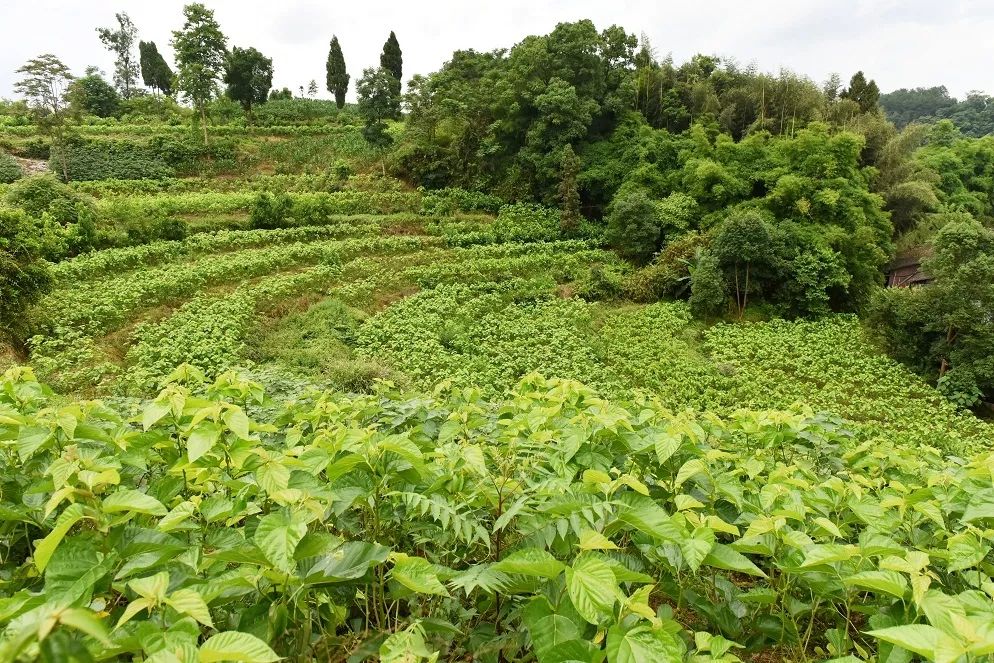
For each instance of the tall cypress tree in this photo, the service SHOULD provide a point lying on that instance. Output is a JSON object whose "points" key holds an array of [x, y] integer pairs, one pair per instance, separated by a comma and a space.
{"points": [[392, 59], [338, 78], [156, 74]]}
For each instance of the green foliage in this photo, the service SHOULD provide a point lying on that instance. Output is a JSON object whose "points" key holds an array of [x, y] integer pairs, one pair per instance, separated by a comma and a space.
{"points": [[974, 116], [92, 95], [270, 211], [392, 61], [248, 75], [708, 297], [156, 73], [10, 170], [101, 159], [944, 330], [121, 42], [337, 77], [551, 547], [378, 102], [24, 276], [200, 57], [633, 226], [865, 93]]}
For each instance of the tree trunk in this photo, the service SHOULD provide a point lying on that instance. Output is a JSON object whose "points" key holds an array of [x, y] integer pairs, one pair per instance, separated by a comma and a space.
{"points": [[950, 338], [745, 294], [203, 122]]}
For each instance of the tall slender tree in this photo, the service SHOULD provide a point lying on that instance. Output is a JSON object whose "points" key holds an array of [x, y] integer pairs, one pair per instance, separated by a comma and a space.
{"points": [[156, 74], [121, 42], [249, 75], [392, 60], [377, 104], [45, 83], [337, 76], [569, 189], [200, 57]]}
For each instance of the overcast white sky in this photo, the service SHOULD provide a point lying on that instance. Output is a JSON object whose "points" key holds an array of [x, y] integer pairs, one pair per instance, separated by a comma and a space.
{"points": [[900, 43]]}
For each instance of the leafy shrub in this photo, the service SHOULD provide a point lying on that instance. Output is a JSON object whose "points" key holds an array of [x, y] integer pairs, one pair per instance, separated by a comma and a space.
{"points": [[633, 226], [45, 193], [188, 155], [524, 222], [24, 277], [102, 159], [10, 170], [444, 202], [602, 282], [271, 211]]}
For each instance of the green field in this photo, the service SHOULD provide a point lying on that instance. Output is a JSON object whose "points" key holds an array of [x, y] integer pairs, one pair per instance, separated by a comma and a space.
{"points": [[571, 354]]}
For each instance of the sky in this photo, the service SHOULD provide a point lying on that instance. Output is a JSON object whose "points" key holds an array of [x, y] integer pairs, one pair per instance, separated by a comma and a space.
{"points": [[899, 43]]}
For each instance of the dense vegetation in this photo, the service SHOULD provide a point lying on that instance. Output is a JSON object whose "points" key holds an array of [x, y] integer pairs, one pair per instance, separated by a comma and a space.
{"points": [[564, 352]]}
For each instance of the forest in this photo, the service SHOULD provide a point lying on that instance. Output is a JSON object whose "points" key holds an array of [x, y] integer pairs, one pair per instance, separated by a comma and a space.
{"points": [[565, 351]]}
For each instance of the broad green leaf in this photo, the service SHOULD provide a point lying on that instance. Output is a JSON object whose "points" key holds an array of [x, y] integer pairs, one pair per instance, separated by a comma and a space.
{"points": [[723, 557], [237, 422], [277, 536], [922, 639], [127, 499], [666, 445], [202, 439], [531, 562], [189, 602], [689, 470], [179, 514], [941, 610], [236, 646], [980, 507], [641, 644], [417, 574], [154, 412], [828, 554], [592, 588], [651, 519], [966, 551], [591, 540], [86, 621], [152, 587], [350, 562], [889, 582], [273, 477], [133, 609], [696, 547], [46, 547]]}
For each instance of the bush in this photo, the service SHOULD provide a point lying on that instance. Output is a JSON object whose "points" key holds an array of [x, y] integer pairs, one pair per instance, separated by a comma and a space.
{"points": [[708, 298], [602, 282], [104, 159], [522, 222], [10, 171], [633, 226], [444, 202], [271, 211], [24, 276], [45, 193], [189, 156], [153, 229]]}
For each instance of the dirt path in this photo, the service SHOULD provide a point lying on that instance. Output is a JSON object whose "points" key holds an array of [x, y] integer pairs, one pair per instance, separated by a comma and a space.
{"points": [[32, 166]]}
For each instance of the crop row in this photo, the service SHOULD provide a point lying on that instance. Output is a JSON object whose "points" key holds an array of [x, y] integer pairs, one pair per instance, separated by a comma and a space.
{"points": [[547, 525]]}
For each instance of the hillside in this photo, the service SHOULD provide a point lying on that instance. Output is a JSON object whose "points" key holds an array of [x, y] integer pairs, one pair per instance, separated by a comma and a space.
{"points": [[564, 352]]}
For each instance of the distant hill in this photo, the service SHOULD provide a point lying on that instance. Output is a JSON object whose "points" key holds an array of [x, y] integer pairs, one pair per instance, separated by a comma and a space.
{"points": [[974, 115]]}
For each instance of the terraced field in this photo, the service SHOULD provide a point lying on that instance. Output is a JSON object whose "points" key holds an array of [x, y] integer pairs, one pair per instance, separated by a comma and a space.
{"points": [[369, 285]]}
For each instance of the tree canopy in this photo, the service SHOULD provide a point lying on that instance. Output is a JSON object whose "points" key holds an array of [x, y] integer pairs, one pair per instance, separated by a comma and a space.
{"points": [[201, 51], [249, 76], [121, 42], [337, 78], [156, 73]]}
